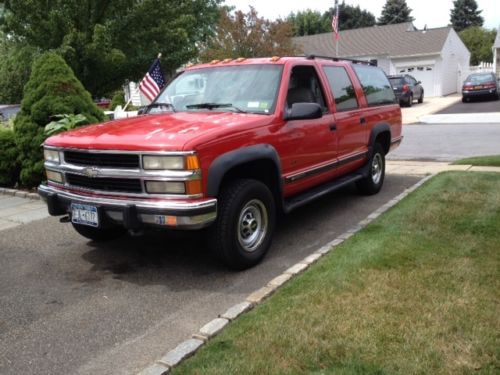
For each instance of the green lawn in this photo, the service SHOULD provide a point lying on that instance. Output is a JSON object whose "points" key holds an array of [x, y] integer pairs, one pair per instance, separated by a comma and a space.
{"points": [[415, 292], [489, 161]]}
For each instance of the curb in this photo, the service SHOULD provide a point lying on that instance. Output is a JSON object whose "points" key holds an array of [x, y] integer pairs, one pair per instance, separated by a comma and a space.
{"points": [[19, 193], [189, 347]]}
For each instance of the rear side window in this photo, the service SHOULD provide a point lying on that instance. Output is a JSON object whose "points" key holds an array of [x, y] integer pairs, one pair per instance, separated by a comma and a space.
{"points": [[376, 86], [342, 89]]}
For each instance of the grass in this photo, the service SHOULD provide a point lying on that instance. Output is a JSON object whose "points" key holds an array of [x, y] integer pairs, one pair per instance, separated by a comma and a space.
{"points": [[486, 161], [415, 292]]}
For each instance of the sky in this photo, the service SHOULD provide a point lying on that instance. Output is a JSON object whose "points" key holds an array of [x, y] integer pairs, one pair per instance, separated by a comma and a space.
{"points": [[433, 13]]}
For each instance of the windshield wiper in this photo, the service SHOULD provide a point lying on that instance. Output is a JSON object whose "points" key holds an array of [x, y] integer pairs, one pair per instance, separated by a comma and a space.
{"points": [[211, 106], [157, 105]]}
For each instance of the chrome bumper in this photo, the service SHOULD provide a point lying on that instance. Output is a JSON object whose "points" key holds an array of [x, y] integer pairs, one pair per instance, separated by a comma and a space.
{"points": [[136, 213]]}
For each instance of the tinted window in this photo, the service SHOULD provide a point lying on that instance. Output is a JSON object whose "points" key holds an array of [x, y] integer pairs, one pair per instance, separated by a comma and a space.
{"points": [[342, 89], [375, 85], [397, 81]]}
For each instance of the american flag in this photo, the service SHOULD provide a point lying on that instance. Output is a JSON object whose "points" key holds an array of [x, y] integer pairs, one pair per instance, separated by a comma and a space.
{"points": [[153, 81], [335, 22]]}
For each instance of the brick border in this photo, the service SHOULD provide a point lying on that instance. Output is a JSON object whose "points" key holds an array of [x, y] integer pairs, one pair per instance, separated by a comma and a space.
{"points": [[189, 347], [19, 193]]}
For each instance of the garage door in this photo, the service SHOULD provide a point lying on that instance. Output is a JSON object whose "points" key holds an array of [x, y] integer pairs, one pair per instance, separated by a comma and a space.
{"points": [[422, 73]]}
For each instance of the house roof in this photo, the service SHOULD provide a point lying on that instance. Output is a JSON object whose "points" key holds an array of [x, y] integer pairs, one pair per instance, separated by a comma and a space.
{"points": [[397, 40], [497, 39]]}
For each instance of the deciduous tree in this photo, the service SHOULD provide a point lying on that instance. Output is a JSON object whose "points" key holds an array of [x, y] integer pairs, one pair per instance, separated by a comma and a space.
{"points": [[241, 34], [479, 41], [395, 11], [107, 41]]}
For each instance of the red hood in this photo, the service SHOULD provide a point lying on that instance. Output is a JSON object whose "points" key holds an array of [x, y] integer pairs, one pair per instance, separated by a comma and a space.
{"points": [[165, 132]]}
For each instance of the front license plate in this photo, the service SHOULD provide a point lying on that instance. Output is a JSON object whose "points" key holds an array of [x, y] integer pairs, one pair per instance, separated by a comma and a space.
{"points": [[84, 214]]}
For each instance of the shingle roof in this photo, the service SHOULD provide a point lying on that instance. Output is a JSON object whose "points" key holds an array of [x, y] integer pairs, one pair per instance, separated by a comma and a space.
{"points": [[396, 40]]}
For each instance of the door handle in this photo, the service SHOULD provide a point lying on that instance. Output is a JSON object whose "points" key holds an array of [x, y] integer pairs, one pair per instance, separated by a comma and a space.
{"points": [[362, 121], [333, 127]]}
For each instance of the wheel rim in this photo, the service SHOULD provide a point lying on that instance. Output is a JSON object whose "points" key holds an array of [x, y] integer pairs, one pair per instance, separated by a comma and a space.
{"points": [[252, 225], [377, 166]]}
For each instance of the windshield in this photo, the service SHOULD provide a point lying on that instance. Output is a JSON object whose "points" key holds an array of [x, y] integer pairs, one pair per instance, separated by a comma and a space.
{"points": [[247, 88]]}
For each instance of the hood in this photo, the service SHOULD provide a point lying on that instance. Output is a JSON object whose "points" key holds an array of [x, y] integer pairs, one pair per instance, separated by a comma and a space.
{"points": [[165, 132]]}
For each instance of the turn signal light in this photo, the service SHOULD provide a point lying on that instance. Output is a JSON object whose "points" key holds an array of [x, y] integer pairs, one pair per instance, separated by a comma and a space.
{"points": [[193, 187], [192, 162]]}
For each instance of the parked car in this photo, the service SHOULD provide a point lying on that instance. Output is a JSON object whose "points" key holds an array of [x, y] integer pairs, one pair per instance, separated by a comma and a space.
{"points": [[480, 85], [257, 137], [407, 88]]}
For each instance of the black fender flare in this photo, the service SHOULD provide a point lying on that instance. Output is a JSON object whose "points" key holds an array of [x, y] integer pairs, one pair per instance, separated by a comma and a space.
{"points": [[376, 130], [225, 162]]}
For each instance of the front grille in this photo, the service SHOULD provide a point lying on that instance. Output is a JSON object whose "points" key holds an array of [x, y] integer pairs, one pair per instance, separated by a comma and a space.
{"points": [[126, 185], [102, 159]]}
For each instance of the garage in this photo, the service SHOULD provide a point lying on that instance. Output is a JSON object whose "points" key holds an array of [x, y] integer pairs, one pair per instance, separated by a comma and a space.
{"points": [[422, 73]]}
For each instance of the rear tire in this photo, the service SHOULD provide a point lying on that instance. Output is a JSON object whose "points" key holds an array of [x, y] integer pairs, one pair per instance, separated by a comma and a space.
{"points": [[372, 183], [410, 101], [242, 233], [99, 234], [421, 99]]}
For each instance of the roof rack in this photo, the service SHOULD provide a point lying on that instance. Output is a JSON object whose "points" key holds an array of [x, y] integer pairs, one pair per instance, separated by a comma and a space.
{"points": [[366, 62]]}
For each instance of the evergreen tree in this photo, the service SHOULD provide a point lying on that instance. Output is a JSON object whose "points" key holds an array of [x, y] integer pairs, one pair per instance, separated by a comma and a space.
{"points": [[51, 90], [465, 14], [395, 11]]}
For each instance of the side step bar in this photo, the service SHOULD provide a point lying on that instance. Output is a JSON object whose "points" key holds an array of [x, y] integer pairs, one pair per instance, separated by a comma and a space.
{"points": [[317, 192]]}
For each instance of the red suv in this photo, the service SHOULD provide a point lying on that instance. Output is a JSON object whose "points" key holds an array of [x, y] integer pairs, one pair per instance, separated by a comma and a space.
{"points": [[226, 145]]}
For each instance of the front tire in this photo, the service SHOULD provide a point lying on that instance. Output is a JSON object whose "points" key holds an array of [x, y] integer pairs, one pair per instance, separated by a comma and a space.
{"points": [[242, 233], [99, 234], [372, 183]]}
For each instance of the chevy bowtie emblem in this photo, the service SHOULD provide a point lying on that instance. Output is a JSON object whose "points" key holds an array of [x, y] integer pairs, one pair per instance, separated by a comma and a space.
{"points": [[91, 172]]}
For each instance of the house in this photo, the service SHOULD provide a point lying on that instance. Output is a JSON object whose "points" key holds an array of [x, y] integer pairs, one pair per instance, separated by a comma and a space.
{"points": [[437, 57], [496, 54]]}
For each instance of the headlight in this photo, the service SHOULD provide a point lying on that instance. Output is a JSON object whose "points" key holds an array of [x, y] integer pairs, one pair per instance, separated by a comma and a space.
{"points": [[51, 155], [163, 162], [54, 176], [165, 187]]}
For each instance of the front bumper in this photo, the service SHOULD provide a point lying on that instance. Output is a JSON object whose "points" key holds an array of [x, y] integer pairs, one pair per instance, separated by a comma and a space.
{"points": [[135, 213]]}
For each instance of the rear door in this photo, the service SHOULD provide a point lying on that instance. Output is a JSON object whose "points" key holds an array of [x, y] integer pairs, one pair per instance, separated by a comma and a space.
{"points": [[349, 116]]}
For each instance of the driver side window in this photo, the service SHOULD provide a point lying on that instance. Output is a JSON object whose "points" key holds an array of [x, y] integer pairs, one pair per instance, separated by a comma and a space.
{"points": [[305, 87]]}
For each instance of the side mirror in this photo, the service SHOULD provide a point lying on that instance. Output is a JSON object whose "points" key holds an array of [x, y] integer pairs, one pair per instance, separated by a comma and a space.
{"points": [[419, 82], [304, 111]]}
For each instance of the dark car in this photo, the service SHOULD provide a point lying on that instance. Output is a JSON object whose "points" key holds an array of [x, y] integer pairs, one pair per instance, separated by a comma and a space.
{"points": [[480, 85], [407, 89]]}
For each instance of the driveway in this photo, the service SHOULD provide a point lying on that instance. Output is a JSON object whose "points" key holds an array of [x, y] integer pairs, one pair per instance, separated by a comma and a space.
{"points": [[474, 106], [72, 306]]}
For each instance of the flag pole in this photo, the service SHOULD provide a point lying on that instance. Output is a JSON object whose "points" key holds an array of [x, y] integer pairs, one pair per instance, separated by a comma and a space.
{"points": [[338, 29]]}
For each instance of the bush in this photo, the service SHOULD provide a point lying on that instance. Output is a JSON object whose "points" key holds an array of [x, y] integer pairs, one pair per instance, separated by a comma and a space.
{"points": [[51, 90], [118, 99], [9, 167]]}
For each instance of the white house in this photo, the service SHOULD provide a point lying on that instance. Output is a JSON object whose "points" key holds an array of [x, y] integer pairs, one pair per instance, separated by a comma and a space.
{"points": [[496, 54], [437, 57]]}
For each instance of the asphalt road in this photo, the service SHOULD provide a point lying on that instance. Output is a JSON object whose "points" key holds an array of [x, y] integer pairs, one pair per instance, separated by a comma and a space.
{"points": [[71, 306], [479, 105], [433, 142]]}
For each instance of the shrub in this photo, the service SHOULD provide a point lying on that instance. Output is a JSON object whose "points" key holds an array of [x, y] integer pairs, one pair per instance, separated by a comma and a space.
{"points": [[9, 167], [118, 99], [51, 90]]}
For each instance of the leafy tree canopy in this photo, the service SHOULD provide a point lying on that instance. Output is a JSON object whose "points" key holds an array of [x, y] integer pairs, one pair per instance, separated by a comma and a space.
{"points": [[465, 14], [310, 22], [108, 41], [395, 11], [479, 41], [241, 34]]}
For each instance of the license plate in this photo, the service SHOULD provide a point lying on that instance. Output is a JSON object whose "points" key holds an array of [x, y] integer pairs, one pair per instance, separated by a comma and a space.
{"points": [[84, 214], [478, 87]]}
